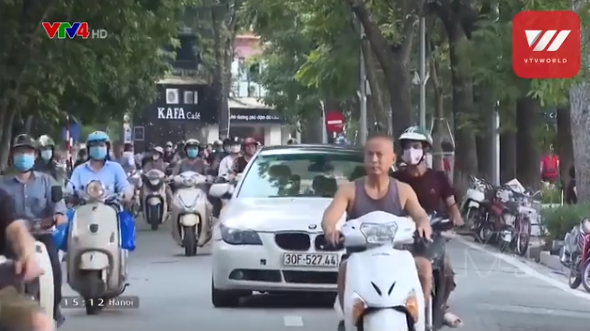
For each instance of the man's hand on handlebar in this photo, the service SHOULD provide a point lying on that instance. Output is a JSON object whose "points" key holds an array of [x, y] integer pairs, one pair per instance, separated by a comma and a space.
{"points": [[424, 230], [333, 237]]}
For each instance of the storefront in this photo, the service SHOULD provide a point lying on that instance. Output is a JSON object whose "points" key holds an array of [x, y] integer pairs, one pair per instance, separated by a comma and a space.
{"points": [[183, 110], [250, 118]]}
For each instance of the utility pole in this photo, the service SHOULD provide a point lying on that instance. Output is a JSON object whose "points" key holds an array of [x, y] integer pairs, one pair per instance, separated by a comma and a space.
{"points": [[363, 92], [423, 77]]}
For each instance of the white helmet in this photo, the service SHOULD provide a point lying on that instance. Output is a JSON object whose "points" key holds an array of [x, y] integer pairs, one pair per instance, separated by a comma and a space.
{"points": [[416, 133]]}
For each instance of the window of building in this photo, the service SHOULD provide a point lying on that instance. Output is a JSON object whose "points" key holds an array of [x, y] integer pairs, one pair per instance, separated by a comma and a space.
{"points": [[191, 97]]}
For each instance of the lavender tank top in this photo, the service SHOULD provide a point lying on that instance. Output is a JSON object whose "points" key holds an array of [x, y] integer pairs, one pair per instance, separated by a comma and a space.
{"points": [[364, 204]]}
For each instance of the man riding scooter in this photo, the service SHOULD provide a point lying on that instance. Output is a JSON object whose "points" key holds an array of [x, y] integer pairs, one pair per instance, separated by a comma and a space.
{"points": [[46, 161], [110, 173], [192, 161], [432, 187], [249, 148], [31, 191], [378, 192], [226, 165]]}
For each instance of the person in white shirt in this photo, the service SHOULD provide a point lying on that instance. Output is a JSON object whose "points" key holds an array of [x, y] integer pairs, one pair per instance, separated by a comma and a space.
{"points": [[227, 163]]}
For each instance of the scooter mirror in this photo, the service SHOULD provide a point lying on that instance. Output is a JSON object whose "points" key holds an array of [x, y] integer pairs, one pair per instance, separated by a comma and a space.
{"points": [[57, 193], [219, 190]]}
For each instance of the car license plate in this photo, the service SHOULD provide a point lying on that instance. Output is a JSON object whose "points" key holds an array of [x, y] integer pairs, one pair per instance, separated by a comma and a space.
{"points": [[311, 260]]}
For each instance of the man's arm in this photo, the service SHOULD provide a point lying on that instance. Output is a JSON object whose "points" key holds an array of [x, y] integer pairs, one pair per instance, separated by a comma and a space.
{"points": [[121, 181], [17, 233], [337, 207], [411, 205]]}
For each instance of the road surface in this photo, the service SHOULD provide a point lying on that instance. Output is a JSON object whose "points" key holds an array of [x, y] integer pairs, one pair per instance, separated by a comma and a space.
{"points": [[495, 293]]}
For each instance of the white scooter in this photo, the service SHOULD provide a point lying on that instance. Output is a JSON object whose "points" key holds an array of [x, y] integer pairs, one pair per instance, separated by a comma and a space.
{"points": [[41, 289], [473, 198], [382, 289], [191, 212], [155, 207], [96, 263]]}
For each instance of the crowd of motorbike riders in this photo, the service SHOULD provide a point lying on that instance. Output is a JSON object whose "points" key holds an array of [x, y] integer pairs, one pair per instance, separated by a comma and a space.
{"points": [[37, 170]]}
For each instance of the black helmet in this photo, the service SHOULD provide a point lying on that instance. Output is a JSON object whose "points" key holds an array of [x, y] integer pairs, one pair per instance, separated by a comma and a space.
{"points": [[24, 140]]}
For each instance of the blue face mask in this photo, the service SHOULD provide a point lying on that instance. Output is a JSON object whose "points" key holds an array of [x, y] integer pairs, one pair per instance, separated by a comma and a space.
{"points": [[97, 152], [24, 162], [192, 153], [46, 154]]}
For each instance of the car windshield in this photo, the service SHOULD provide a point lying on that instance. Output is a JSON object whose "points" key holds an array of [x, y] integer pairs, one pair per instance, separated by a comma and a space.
{"points": [[301, 174]]}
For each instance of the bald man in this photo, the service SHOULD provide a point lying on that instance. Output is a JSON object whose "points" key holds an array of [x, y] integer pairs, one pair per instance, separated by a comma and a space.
{"points": [[378, 192]]}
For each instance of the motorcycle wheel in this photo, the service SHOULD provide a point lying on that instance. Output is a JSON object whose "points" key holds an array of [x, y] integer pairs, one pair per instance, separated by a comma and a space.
{"points": [[189, 241], [523, 236], [585, 276], [485, 233]]}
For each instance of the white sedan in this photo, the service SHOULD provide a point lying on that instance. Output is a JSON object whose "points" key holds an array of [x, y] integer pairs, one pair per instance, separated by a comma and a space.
{"points": [[269, 237]]}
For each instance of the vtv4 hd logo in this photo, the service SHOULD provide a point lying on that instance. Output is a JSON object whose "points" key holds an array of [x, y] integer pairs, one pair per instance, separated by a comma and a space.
{"points": [[546, 44], [65, 30]]}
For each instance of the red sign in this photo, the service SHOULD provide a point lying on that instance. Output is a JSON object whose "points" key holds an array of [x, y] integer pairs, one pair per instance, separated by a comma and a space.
{"points": [[334, 121], [546, 44]]}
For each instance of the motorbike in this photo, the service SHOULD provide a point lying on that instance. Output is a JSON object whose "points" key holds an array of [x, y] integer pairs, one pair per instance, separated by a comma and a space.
{"points": [[508, 217], [382, 289], [134, 179], [41, 289], [96, 262], [472, 201], [575, 255], [191, 212], [155, 208]]}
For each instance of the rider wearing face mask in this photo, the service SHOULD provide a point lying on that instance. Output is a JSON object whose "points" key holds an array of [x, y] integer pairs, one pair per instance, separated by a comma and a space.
{"points": [[31, 191], [249, 147], [192, 162], [98, 167], [156, 161], [168, 152], [433, 189], [45, 162], [233, 149]]}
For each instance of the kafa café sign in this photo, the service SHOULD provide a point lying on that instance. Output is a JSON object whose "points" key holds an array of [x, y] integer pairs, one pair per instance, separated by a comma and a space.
{"points": [[177, 113]]}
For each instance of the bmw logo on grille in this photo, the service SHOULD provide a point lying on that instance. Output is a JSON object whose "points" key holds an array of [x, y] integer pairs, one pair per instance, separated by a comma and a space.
{"points": [[312, 226]]}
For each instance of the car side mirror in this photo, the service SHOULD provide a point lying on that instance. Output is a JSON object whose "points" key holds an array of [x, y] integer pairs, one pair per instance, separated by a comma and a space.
{"points": [[219, 190], [57, 193]]}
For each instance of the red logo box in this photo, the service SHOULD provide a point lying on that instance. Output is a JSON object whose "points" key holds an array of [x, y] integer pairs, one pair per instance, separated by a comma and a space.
{"points": [[546, 44]]}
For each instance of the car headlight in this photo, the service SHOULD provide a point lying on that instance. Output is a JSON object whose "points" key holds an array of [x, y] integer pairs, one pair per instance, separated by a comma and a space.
{"points": [[239, 237], [95, 189], [377, 233]]}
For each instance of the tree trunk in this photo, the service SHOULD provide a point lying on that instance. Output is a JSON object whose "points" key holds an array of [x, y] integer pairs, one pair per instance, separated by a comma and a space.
{"points": [[527, 152], [563, 146], [465, 149], [7, 119], [507, 156], [394, 61], [439, 115], [580, 122]]}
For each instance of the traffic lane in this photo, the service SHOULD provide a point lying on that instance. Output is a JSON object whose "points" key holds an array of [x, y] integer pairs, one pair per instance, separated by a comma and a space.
{"points": [[499, 292], [174, 294]]}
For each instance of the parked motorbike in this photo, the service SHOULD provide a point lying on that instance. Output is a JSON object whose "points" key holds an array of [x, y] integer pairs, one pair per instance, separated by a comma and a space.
{"points": [[390, 296], [507, 218], [575, 255], [471, 204], [191, 212], [155, 207], [96, 262]]}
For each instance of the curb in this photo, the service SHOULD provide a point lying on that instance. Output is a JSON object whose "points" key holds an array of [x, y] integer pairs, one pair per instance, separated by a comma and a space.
{"points": [[552, 262]]}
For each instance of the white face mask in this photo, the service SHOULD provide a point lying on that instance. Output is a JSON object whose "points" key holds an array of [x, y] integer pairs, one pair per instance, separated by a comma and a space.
{"points": [[413, 156]]}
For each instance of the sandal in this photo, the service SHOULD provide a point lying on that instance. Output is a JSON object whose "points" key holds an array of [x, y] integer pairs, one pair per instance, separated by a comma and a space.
{"points": [[452, 320]]}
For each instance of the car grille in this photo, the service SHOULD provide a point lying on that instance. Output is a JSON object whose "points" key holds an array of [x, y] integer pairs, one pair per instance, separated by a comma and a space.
{"points": [[293, 241], [321, 244]]}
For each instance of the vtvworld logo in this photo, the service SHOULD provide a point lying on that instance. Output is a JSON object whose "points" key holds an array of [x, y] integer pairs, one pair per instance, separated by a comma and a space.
{"points": [[546, 44], [63, 30], [541, 39]]}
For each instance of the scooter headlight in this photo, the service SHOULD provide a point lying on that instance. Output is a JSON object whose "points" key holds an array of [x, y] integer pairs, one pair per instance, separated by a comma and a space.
{"points": [[154, 181], [188, 181], [95, 189], [376, 233]]}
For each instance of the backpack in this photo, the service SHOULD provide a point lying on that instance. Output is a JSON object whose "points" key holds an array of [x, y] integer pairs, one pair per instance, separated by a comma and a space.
{"points": [[549, 167]]}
